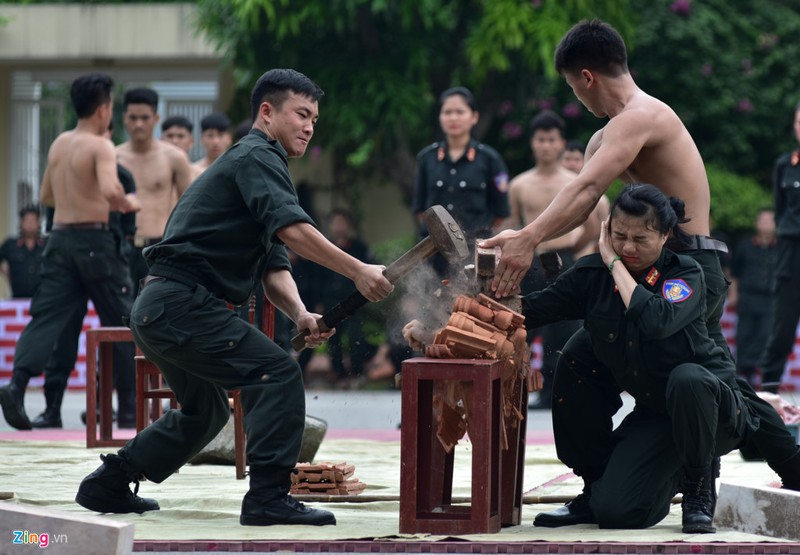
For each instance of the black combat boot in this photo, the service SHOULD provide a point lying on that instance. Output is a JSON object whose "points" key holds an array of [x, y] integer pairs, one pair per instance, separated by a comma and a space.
{"points": [[576, 511], [699, 499], [268, 502], [106, 489], [789, 471], [51, 417], [12, 400]]}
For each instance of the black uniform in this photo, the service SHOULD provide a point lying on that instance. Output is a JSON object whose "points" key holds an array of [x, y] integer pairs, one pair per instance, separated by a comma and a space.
{"points": [[213, 242], [474, 189], [688, 406], [334, 289], [753, 265], [24, 265], [786, 313]]}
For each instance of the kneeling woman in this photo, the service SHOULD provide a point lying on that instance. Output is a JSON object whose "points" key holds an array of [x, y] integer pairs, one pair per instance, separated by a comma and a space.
{"points": [[644, 332]]}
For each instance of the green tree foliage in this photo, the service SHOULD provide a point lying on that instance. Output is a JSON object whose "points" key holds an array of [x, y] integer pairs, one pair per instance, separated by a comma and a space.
{"points": [[382, 63], [728, 68]]}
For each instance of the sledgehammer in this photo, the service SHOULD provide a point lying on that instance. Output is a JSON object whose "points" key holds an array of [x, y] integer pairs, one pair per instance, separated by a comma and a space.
{"points": [[445, 236]]}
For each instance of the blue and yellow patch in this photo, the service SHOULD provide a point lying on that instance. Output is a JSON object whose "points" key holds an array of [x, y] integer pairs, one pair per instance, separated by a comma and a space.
{"points": [[501, 182], [676, 290]]}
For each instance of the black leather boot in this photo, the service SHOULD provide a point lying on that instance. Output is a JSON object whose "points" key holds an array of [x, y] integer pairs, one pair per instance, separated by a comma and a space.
{"points": [[576, 511], [51, 417], [268, 503], [698, 501], [12, 400], [789, 471], [106, 489]]}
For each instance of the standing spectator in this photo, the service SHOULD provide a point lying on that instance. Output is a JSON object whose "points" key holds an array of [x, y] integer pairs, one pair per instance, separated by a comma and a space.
{"points": [[572, 159], [216, 138], [65, 353], [753, 273], [161, 172], [177, 130], [530, 194], [786, 189], [81, 260], [349, 336], [463, 175], [23, 254]]}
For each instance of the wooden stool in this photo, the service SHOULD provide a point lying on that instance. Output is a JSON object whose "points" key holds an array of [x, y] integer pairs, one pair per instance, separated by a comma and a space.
{"points": [[102, 375], [151, 390], [426, 470]]}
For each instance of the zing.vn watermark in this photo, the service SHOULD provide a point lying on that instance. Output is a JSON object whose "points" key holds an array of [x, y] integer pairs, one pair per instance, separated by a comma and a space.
{"points": [[24, 537]]}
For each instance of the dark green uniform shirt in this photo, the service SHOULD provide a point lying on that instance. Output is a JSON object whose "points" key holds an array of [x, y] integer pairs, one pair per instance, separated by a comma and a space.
{"points": [[474, 188], [226, 221], [786, 189], [663, 327]]}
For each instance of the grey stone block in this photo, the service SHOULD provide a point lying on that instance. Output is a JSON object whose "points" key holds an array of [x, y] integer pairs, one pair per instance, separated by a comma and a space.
{"points": [[765, 511], [29, 529]]}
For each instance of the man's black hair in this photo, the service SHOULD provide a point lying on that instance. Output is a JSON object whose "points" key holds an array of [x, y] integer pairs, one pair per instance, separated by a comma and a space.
{"points": [[89, 92], [29, 209], [177, 121], [276, 84], [217, 121], [547, 120], [575, 145], [141, 95], [593, 45]]}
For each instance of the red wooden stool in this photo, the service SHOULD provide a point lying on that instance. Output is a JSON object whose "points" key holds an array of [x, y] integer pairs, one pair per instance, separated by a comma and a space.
{"points": [[102, 375], [426, 469]]}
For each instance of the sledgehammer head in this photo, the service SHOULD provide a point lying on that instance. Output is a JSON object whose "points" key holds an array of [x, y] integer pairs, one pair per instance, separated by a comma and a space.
{"points": [[446, 234]]}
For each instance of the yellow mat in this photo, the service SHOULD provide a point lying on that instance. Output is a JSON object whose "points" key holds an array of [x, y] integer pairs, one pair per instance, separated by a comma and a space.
{"points": [[203, 502]]}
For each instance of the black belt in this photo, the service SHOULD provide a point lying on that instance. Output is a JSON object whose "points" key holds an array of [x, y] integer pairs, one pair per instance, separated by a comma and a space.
{"points": [[703, 243], [142, 242], [82, 225]]}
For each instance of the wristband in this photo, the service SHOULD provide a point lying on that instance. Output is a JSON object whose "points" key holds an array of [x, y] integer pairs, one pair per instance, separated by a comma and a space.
{"points": [[611, 266]]}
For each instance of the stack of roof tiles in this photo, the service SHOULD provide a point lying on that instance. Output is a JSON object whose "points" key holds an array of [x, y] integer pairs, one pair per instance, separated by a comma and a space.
{"points": [[482, 328], [325, 479]]}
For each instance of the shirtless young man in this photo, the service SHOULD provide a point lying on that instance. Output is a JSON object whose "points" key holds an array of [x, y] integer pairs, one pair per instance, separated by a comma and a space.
{"points": [[161, 172], [643, 141], [81, 260], [529, 195], [215, 137]]}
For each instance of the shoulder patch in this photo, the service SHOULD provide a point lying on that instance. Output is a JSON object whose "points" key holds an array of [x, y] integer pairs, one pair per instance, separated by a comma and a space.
{"points": [[676, 290], [501, 182]]}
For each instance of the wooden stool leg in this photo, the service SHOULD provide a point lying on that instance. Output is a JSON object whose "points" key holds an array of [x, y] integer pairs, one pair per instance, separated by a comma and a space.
{"points": [[238, 434]]}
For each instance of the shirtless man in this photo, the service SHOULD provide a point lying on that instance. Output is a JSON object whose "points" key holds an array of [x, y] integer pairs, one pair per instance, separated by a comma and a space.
{"points": [[529, 195], [81, 260], [161, 172], [643, 141], [215, 137]]}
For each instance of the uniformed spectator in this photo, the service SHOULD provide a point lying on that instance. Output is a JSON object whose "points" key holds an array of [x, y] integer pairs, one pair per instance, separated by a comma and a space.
{"points": [[465, 176], [786, 312], [241, 210], [23, 254], [349, 341], [753, 274]]}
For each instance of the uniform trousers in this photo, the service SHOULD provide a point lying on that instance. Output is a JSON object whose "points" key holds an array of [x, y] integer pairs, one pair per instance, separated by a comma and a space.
{"points": [[204, 349], [786, 310], [78, 265], [635, 470]]}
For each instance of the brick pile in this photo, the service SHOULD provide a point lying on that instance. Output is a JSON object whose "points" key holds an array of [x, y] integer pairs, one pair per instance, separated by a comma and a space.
{"points": [[482, 328], [325, 479]]}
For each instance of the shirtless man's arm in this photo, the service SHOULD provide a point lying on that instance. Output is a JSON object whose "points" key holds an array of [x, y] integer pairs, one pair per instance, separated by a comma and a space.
{"points": [[622, 139]]}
